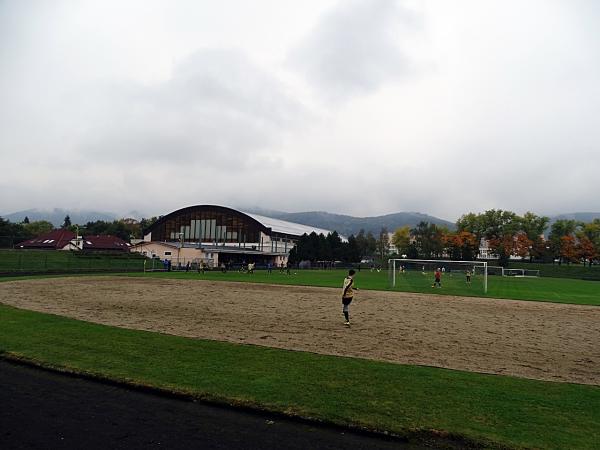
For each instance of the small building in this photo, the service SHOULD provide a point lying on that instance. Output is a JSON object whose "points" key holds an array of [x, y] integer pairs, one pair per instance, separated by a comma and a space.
{"points": [[62, 239], [99, 242], [53, 240]]}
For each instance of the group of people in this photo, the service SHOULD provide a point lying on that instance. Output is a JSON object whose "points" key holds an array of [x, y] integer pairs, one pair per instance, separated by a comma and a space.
{"points": [[251, 266]]}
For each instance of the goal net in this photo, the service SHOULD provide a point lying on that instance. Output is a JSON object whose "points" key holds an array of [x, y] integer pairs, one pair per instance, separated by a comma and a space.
{"points": [[513, 272], [416, 274], [520, 273], [504, 272]]}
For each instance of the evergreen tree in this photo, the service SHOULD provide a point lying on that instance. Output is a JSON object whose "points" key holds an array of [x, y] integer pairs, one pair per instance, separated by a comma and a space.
{"points": [[66, 222], [352, 252]]}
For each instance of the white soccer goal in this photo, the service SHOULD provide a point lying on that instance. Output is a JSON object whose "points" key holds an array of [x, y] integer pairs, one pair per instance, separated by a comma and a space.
{"points": [[520, 273], [400, 267], [513, 272], [491, 270]]}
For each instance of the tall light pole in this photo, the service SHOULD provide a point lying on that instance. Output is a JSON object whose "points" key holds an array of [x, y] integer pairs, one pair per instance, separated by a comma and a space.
{"points": [[180, 246]]}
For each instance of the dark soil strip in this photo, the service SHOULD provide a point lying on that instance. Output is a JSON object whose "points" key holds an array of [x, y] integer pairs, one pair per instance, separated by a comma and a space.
{"points": [[44, 409]]}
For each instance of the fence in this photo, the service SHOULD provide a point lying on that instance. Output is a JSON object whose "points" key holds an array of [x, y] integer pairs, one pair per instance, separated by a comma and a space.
{"points": [[14, 262]]}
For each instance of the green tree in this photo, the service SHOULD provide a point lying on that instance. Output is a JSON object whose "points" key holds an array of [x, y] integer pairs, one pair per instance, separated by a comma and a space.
{"points": [[115, 228], [401, 239], [145, 224], [66, 222], [428, 239], [472, 223], [499, 228], [366, 243], [352, 253], [534, 227], [592, 232], [26, 220], [336, 246], [12, 233], [559, 230], [38, 227]]}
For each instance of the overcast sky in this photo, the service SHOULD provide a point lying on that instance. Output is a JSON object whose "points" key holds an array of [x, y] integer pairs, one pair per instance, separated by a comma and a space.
{"points": [[362, 107]]}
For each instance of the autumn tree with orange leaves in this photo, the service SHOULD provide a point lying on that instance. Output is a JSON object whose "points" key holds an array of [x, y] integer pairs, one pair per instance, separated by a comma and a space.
{"points": [[462, 245], [586, 250], [568, 249]]}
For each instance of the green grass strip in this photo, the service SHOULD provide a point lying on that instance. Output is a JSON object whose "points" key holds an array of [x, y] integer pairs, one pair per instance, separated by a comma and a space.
{"points": [[58, 260], [398, 398], [556, 290]]}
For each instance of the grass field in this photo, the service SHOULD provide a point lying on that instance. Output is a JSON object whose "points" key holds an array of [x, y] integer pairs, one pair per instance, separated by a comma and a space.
{"points": [[408, 400], [15, 261], [558, 290], [403, 399], [561, 271]]}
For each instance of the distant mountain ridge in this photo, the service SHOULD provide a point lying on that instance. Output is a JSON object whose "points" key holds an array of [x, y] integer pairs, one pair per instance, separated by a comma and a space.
{"points": [[347, 225], [343, 224], [56, 216], [578, 216]]}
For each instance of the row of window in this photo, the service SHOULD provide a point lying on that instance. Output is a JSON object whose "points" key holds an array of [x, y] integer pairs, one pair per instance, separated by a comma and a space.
{"points": [[207, 226]]}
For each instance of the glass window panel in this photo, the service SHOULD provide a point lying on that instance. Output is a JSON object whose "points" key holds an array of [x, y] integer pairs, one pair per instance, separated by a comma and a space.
{"points": [[213, 226], [193, 229]]}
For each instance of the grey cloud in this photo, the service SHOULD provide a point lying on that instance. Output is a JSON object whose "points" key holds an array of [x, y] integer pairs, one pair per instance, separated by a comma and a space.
{"points": [[356, 48], [217, 109]]}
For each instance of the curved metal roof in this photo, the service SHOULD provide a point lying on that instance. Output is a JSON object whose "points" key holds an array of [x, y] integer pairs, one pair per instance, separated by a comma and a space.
{"points": [[282, 226], [276, 225]]}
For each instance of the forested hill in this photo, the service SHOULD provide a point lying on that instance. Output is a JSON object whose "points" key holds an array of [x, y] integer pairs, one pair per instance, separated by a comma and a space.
{"points": [[347, 225], [56, 216], [585, 217]]}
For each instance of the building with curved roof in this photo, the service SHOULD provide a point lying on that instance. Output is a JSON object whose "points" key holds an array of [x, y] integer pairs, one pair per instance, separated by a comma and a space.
{"points": [[217, 234]]}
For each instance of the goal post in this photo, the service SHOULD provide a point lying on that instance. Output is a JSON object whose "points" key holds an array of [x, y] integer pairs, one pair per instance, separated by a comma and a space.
{"points": [[399, 267]]}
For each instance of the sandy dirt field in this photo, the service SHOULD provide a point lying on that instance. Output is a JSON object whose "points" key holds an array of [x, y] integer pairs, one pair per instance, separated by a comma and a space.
{"points": [[545, 341]]}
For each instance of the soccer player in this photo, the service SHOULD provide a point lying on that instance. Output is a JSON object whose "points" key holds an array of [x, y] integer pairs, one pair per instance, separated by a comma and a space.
{"points": [[438, 278], [348, 295], [468, 276]]}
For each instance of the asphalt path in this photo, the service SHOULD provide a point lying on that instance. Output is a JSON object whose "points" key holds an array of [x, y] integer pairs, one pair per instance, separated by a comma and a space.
{"points": [[44, 409]]}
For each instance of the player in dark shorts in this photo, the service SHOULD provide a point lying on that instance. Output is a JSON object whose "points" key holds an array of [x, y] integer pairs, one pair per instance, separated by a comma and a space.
{"points": [[348, 295], [468, 276], [438, 279]]}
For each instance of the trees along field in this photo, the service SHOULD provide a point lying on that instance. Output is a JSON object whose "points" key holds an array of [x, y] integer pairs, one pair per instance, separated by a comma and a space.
{"points": [[507, 234], [318, 247], [11, 233], [572, 241], [589, 240]]}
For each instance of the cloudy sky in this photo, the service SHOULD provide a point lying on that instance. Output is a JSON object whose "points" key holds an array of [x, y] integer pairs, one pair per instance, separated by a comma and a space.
{"points": [[363, 107]]}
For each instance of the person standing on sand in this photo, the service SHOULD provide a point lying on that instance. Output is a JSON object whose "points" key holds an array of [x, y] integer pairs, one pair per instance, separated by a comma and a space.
{"points": [[348, 295]]}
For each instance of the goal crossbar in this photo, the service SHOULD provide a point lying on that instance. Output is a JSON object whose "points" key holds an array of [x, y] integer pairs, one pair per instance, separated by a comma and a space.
{"points": [[392, 266]]}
